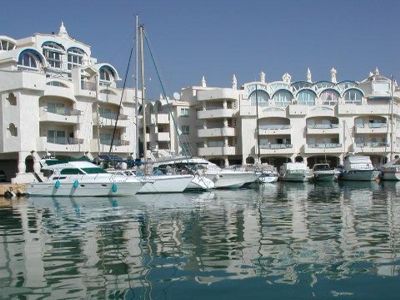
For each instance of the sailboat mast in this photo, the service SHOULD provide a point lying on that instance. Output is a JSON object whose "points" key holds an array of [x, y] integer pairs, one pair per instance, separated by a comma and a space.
{"points": [[137, 85], [391, 118], [143, 93], [258, 128]]}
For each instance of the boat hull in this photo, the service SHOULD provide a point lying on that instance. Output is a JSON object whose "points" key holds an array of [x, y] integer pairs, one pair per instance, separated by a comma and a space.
{"points": [[360, 175], [166, 184], [295, 176], [84, 189], [200, 183], [324, 176], [234, 179], [391, 175], [268, 179]]}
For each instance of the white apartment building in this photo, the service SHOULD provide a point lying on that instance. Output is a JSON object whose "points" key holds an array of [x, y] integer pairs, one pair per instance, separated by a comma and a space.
{"points": [[282, 121], [56, 98]]}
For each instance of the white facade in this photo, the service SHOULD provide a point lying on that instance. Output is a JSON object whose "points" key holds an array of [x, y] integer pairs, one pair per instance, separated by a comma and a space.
{"points": [[303, 120], [56, 98]]}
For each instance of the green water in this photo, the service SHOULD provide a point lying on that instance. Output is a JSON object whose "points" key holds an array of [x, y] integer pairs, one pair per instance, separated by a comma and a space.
{"points": [[282, 241]]}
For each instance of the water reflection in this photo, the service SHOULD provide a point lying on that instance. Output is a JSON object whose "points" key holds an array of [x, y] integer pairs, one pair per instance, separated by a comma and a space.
{"points": [[306, 239]]}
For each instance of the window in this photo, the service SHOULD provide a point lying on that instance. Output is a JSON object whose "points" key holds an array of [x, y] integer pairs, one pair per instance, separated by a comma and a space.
{"points": [[56, 108], [185, 129], [12, 129], [186, 149], [56, 137], [12, 99], [184, 112], [353, 96], [282, 98], [28, 59], [94, 170], [75, 57], [329, 97], [71, 171], [259, 96], [306, 97], [53, 53]]}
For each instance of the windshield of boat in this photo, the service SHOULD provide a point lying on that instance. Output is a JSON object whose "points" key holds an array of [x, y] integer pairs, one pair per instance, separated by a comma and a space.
{"points": [[93, 170], [321, 167]]}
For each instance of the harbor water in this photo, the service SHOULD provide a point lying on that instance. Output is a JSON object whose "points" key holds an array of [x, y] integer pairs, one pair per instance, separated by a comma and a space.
{"points": [[277, 241]]}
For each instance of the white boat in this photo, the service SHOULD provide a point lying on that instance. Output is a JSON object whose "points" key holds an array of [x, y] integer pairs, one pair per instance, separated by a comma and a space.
{"points": [[358, 168], [159, 183], [222, 178], [391, 170], [268, 176], [82, 178], [323, 172], [296, 172]]}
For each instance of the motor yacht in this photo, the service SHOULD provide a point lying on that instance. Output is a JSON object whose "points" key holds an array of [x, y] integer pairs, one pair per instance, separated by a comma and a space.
{"points": [[391, 170], [323, 172], [234, 177], [358, 167], [296, 172], [82, 178]]}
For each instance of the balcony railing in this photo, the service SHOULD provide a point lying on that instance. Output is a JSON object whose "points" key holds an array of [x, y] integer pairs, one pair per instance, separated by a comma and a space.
{"points": [[322, 126], [64, 112], [116, 142], [372, 125], [275, 146], [113, 116], [88, 85], [372, 144], [325, 145], [274, 127], [64, 141]]}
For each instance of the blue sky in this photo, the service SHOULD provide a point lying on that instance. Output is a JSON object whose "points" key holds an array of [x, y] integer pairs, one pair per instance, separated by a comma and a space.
{"points": [[219, 37]]}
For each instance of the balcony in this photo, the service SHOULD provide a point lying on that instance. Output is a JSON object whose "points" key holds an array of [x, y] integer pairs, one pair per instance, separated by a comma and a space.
{"points": [[67, 116], [119, 146], [371, 147], [275, 130], [159, 119], [217, 94], [108, 120], [323, 129], [371, 128], [216, 132], [354, 109], [60, 144], [216, 151], [163, 137], [323, 148], [276, 148], [215, 113]]}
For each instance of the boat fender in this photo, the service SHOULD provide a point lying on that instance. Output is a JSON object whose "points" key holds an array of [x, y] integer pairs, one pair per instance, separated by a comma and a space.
{"points": [[57, 184], [114, 188], [75, 184], [9, 194]]}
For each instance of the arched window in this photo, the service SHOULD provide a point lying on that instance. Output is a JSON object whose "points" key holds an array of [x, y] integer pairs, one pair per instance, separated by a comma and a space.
{"points": [[259, 96], [282, 98], [106, 74], [29, 59], [306, 97], [329, 97], [75, 57], [53, 53], [353, 96]]}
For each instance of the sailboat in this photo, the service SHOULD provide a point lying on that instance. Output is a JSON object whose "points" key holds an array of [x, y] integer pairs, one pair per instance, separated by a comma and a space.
{"points": [[391, 170], [163, 183]]}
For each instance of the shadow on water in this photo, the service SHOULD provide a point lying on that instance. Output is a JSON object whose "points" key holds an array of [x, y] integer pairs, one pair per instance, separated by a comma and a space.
{"points": [[283, 240]]}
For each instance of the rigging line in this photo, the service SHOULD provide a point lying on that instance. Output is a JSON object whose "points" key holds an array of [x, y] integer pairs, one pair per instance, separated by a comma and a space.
{"points": [[120, 102], [185, 154]]}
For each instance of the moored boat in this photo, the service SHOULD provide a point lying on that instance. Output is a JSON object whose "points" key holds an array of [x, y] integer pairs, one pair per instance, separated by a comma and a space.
{"points": [[81, 178], [358, 168], [296, 172], [323, 172], [391, 170]]}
